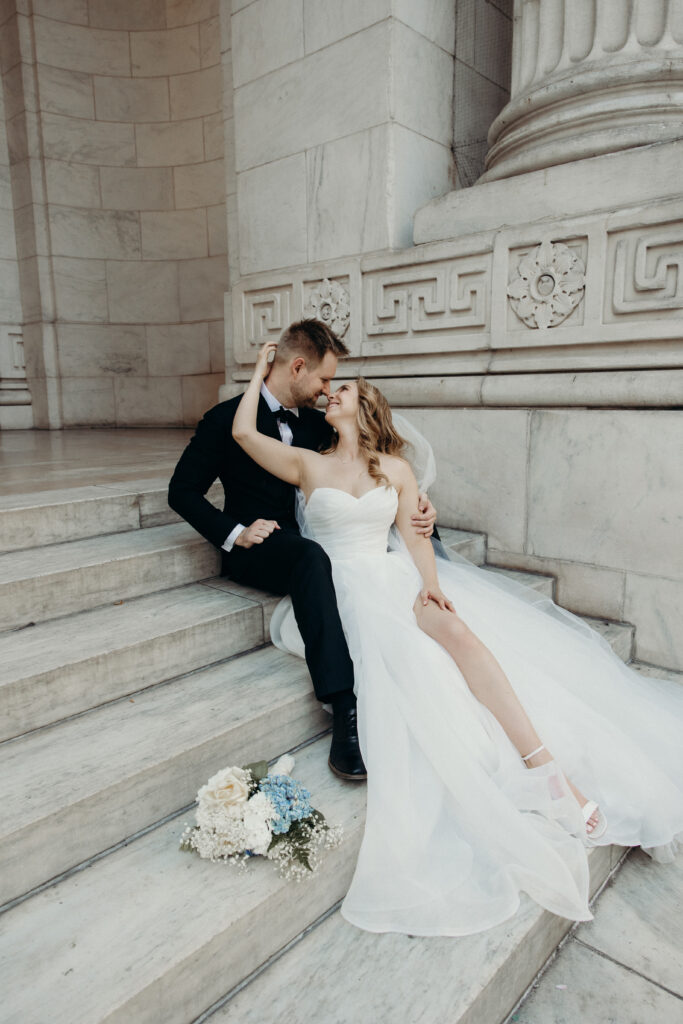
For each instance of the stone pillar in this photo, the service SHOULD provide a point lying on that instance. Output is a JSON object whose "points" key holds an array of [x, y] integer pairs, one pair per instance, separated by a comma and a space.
{"points": [[589, 77]]}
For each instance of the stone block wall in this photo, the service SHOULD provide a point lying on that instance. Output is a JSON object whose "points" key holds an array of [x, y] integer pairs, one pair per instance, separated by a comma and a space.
{"points": [[481, 82], [119, 196], [342, 124]]}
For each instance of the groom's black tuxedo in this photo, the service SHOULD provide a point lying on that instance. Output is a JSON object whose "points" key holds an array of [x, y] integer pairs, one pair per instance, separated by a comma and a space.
{"points": [[250, 492], [285, 563]]}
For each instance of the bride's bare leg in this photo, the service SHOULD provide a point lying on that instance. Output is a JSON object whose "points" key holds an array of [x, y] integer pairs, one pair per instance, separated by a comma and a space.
{"points": [[488, 683]]}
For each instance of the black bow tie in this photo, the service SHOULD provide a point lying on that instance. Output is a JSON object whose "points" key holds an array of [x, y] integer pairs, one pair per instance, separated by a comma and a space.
{"points": [[286, 416]]}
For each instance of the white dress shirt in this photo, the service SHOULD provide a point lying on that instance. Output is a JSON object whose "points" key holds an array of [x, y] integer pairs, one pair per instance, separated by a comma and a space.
{"points": [[286, 436]]}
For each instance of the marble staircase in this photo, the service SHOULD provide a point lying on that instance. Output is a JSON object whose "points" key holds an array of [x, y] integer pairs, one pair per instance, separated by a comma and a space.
{"points": [[130, 673]]}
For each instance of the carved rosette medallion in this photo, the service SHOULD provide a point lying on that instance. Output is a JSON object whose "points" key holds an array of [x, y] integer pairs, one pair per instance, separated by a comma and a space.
{"points": [[550, 284], [331, 303]]}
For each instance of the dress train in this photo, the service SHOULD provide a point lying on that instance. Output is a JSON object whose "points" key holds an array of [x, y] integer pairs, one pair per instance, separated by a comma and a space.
{"points": [[457, 826]]}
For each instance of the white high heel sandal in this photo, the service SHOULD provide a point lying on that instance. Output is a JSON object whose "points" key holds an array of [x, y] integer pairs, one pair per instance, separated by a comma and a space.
{"points": [[588, 809]]}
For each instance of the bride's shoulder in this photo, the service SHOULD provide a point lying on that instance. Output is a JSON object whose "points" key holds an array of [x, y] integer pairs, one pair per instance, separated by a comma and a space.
{"points": [[397, 469]]}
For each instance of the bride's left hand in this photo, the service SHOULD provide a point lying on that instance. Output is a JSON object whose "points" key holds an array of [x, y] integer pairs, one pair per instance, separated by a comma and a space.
{"points": [[436, 595], [263, 360], [424, 519]]}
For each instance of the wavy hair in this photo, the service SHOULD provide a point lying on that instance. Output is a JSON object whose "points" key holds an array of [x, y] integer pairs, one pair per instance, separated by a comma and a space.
{"points": [[376, 432]]}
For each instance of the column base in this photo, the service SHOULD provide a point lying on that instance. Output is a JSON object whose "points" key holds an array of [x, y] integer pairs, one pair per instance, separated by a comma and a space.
{"points": [[16, 417], [610, 182]]}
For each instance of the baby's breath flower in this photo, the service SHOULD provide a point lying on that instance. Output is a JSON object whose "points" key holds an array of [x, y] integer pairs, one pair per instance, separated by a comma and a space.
{"points": [[277, 821]]}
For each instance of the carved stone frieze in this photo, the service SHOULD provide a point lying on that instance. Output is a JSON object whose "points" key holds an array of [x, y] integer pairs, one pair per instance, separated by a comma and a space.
{"points": [[330, 302], [265, 314], [426, 301], [599, 292], [647, 268], [548, 285], [264, 304]]}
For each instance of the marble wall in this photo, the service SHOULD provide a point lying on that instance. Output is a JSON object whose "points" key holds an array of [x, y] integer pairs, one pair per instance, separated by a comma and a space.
{"points": [[343, 124], [481, 82], [592, 496], [119, 194]]}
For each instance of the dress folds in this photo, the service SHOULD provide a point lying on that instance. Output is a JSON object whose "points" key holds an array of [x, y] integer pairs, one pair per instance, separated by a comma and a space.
{"points": [[457, 826]]}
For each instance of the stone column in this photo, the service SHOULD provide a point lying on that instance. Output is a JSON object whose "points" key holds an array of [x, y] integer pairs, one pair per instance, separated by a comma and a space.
{"points": [[589, 77]]}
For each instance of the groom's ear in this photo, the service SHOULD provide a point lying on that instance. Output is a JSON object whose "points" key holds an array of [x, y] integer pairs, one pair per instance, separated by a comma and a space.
{"points": [[297, 365]]}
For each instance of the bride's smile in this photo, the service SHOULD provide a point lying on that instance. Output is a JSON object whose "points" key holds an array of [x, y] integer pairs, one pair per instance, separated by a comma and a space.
{"points": [[343, 403]]}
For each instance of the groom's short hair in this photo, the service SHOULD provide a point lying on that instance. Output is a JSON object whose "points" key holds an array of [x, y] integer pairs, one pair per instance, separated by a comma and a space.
{"points": [[311, 339]]}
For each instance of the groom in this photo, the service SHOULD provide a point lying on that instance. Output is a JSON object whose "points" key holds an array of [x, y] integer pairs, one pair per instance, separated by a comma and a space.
{"points": [[257, 529]]}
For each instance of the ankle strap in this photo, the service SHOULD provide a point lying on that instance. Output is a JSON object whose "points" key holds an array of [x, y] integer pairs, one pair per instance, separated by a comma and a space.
{"points": [[534, 752]]}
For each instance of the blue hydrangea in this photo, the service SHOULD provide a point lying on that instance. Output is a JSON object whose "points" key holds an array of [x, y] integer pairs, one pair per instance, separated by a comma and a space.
{"points": [[290, 799]]}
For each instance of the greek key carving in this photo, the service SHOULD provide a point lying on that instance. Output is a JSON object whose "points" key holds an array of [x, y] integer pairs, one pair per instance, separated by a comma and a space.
{"points": [[433, 298], [648, 273], [266, 314]]}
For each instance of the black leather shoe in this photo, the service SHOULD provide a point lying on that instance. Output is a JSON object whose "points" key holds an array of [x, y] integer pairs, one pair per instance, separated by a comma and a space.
{"points": [[345, 758]]}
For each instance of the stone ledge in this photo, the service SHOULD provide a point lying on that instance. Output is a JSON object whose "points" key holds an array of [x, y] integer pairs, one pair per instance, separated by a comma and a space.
{"points": [[601, 183]]}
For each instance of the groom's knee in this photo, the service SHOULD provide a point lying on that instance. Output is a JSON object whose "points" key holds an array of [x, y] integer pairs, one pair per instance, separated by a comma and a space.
{"points": [[312, 564]]}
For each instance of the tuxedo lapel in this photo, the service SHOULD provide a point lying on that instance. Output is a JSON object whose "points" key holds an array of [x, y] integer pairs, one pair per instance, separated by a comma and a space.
{"points": [[266, 421]]}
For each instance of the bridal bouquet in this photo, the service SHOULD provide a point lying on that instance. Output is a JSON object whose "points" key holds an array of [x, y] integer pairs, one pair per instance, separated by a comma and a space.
{"points": [[254, 811]]}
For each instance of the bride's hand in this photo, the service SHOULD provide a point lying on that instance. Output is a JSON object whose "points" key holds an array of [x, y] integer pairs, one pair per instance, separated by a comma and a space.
{"points": [[436, 595], [263, 360]]}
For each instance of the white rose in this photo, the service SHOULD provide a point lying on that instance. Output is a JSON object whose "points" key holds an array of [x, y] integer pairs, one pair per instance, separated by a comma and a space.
{"points": [[258, 815], [225, 791]]}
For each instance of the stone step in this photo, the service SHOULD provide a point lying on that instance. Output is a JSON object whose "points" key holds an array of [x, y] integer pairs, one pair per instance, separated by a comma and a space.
{"points": [[476, 979], [537, 581], [471, 546], [65, 666], [81, 786], [63, 578], [619, 635], [149, 934], [204, 711], [661, 673], [39, 518]]}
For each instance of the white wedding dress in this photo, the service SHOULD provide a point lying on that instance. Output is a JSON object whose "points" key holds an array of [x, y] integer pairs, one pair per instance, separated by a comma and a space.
{"points": [[456, 825]]}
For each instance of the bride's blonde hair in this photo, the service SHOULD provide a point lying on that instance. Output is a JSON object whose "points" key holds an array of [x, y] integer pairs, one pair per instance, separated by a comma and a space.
{"points": [[376, 432]]}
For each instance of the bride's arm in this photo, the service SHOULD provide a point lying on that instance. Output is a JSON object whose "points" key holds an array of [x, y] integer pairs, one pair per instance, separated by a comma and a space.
{"points": [[419, 547], [282, 460]]}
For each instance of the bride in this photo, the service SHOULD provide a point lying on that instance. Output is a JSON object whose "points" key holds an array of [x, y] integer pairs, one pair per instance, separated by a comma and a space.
{"points": [[465, 685]]}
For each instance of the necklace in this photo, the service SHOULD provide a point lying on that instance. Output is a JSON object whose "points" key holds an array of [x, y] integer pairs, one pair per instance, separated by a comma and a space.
{"points": [[344, 462]]}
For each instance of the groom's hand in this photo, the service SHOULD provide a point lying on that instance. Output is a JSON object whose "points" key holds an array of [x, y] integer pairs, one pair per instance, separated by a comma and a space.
{"points": [[256, 533], [425, 518]]}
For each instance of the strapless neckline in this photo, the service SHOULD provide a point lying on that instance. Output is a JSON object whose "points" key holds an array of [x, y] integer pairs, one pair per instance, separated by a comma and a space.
{"points": [[339, 490]]}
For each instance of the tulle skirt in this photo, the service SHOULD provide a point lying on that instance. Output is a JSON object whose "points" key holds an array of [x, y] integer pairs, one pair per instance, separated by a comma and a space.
{"points": [[457, 826]]}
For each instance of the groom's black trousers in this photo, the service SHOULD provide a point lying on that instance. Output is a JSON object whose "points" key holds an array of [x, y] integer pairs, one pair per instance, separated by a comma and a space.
{"points": [[287, 563]]}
